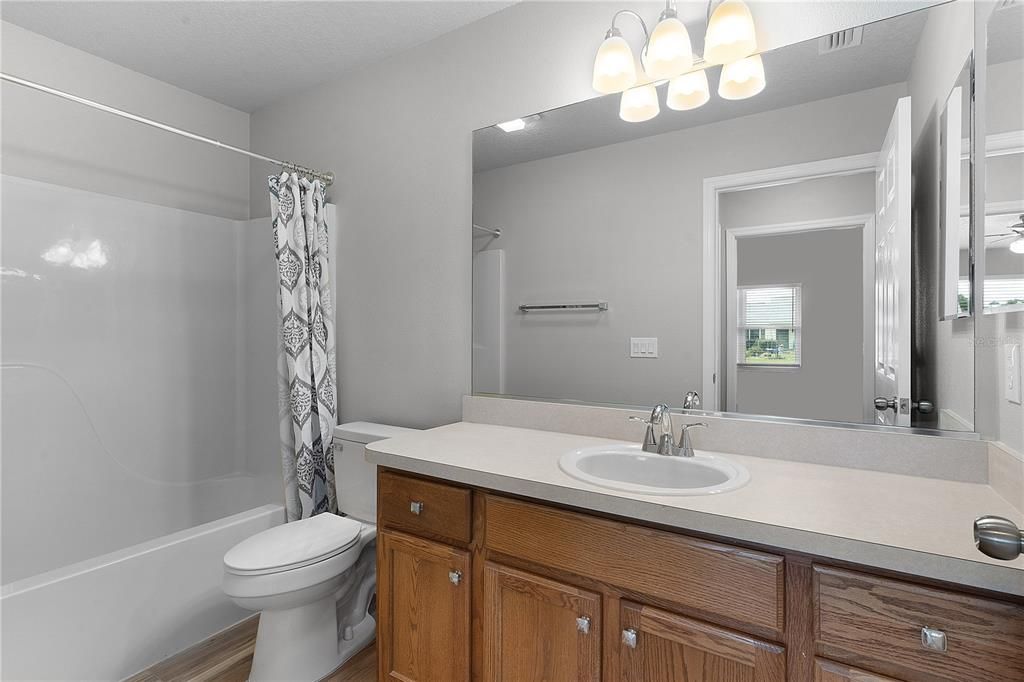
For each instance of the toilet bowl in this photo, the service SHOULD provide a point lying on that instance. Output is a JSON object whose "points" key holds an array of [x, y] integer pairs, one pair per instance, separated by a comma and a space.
{"points": [[314, 580]]}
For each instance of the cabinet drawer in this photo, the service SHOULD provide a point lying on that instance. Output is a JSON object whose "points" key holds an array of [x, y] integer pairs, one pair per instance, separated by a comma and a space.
{"points": [[876, 623], [424, 507], [737, 585]]}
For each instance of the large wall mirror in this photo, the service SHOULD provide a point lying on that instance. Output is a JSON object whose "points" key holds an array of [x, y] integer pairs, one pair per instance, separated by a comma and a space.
{"points": [[786, 255]]}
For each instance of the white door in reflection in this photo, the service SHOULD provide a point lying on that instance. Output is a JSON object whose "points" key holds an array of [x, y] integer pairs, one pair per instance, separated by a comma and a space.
{"points": [[892, 270]]}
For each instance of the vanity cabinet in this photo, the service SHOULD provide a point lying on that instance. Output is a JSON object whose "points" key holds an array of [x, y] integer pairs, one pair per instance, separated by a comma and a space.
{"points": [[538, 629], [663, 646], [479, 585], [423, 602]]}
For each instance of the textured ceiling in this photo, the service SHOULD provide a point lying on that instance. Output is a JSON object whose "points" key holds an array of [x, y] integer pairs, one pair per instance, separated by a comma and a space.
{"points": [[795, 74], [245, 54]]}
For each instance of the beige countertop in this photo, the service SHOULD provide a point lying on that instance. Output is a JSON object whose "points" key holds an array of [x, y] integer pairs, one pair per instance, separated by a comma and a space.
{"points": [[919, 526]]}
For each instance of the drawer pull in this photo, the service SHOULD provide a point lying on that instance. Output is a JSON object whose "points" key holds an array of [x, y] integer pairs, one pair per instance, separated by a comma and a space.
{"points": [[629, 637], [583, 624], [416, 507], [933, 639], [455, 577]]}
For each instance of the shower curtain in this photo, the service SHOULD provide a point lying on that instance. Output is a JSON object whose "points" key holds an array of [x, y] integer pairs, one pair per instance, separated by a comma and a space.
{"points": [[306, 362]]}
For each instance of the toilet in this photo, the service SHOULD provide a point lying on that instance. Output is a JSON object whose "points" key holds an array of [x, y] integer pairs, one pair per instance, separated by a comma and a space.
{"points": [[314, 580]]}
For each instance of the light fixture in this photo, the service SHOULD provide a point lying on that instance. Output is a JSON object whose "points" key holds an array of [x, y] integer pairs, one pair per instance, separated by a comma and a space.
{"points": [[667, 56], [688, 91], [668, 51], [742, 79], [614, 67], [1017, 245], [639, 104], [730, 35], [513, 125]]}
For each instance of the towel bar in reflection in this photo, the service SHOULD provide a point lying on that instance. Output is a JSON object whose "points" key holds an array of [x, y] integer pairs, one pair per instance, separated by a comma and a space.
{"points": [[530, 307]]}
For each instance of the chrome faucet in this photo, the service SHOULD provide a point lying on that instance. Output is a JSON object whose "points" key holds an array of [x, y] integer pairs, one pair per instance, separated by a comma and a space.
{"points": [[665, 443], [691, 401]]}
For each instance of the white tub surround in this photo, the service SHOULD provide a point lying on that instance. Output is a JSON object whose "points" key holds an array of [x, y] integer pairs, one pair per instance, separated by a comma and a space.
{"points": [[913, 525], [109, 617]]}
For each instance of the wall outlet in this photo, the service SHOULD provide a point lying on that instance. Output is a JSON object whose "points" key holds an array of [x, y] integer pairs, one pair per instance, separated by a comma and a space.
{"points": [[640, 347], [1013, 373]]}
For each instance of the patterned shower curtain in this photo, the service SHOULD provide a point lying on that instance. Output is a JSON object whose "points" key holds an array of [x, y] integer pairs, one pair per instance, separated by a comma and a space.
{"points": [[305, 363]]}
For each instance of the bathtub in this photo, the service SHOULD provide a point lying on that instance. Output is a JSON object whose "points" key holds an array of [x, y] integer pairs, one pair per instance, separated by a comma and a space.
{"points": [[108, 617]]}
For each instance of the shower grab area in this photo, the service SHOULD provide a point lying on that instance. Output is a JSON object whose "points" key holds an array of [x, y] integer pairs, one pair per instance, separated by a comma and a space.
{"points": [[139, 400]]}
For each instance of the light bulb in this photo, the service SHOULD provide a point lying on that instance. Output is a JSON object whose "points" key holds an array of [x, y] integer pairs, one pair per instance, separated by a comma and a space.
{"points": [[668, 52], [688, 91], [614, 67], [639, 104], [1017, 245], [730, 35], [742, 79]]}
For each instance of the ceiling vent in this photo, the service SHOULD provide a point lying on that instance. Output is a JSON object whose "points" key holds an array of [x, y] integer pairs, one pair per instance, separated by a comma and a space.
{"points": [[833, 42]]}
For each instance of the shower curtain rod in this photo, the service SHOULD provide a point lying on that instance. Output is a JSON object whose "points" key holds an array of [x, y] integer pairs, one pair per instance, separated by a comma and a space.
{"points": [[326, 176]]}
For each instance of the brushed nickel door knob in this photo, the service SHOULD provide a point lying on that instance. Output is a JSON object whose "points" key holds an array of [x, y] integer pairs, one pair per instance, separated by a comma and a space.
{"points": [[998, 538]]}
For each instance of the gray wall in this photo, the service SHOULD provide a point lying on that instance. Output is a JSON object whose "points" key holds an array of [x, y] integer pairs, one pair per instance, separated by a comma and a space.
{"points": [[398, 135], [64, 143], [829, 382], [1004, 112]]}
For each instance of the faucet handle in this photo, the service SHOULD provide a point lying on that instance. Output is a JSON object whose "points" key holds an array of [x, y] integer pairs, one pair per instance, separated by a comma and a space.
{"points": [[690, 426], [649, 444]]}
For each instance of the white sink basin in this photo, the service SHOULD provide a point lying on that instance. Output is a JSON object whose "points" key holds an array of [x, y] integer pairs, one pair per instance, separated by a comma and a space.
{"points": [[628, 468]]}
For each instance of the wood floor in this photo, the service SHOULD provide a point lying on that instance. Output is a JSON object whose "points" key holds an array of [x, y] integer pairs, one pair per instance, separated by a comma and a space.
{"points": [[226, 657]]}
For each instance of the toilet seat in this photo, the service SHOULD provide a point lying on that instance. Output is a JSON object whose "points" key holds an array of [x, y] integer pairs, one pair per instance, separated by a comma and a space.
{"points": [[293, 545]]}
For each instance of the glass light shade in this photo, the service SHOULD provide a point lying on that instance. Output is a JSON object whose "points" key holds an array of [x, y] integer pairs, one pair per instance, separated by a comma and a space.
{"points": [[1017, 245], [688, 91], [614, 67], [639, 104], [742, 79], [730, 35], [669, 52]]}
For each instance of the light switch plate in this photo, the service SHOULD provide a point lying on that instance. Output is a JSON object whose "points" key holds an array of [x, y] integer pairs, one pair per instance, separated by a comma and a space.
{"points": [[643, 347], [1013, 373]]}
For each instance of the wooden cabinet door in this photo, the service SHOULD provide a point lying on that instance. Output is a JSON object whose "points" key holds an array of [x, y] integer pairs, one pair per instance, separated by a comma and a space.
{"points": [[423, 606], [539, 630], [658, 646]]}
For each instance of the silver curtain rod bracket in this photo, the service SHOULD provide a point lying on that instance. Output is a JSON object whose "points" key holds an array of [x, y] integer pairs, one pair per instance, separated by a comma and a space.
{"points": [[325, 176]]}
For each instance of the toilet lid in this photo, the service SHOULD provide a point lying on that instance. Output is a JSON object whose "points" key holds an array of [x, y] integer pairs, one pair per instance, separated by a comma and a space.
{"points": [[292, 545]]}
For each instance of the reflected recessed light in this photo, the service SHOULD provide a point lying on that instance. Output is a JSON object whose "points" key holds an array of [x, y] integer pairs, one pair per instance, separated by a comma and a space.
{"points": [[513, 125]]}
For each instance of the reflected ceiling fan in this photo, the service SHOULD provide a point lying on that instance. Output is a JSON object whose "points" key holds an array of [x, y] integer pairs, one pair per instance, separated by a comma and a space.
{"points": [[1016, 233]]}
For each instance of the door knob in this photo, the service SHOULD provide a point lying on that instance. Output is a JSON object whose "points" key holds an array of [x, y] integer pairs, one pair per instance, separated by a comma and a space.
{"points": [[883, 404], [998, 538], [924, 406]]}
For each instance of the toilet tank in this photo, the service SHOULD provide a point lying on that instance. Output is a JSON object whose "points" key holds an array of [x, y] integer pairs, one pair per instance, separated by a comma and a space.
{"points": [[355, 479]]}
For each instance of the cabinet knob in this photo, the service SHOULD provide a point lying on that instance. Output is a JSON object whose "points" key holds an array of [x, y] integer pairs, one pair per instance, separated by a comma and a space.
{"points": [[629, 637], [583, 624], [933, 639], [416, 507], [455, 577]]}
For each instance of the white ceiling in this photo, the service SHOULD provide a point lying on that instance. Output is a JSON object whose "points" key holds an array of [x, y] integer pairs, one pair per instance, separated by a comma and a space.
{"points": [[795, 74], [244, 53]]}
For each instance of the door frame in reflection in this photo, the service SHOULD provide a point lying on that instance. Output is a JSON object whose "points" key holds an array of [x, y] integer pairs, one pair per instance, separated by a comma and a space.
{"points": [[714, 247]]}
